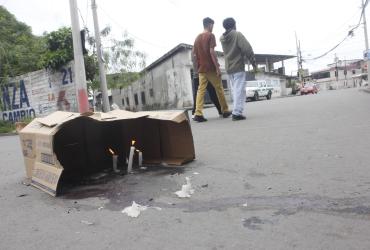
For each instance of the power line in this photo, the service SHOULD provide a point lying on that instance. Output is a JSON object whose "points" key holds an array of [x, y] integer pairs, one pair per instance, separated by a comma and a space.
{"points": [[349, 34], [83, 20], [134, 36]]}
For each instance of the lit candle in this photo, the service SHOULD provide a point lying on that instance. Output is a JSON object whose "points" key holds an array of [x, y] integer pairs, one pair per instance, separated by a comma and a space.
{"points": [[114, 160], [131, 157], [140, 158]]}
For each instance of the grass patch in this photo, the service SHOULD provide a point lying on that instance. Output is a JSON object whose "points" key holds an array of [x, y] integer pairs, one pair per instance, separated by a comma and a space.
{"points": [[6, 127]]}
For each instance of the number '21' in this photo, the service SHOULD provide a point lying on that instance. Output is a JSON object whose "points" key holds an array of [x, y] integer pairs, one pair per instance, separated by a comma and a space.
{"points": [[65, 72]]}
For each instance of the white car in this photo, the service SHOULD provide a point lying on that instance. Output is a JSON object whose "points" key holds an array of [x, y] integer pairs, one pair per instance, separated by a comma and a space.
{"points": [[258, 88]]}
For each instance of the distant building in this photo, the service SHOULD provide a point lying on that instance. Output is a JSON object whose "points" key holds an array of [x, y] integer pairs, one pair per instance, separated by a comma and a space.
{"points": [[167, 82], [341, 74]]}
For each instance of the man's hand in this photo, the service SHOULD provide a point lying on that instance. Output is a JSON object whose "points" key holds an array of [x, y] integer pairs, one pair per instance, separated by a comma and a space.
{"points": [[218, 71]]}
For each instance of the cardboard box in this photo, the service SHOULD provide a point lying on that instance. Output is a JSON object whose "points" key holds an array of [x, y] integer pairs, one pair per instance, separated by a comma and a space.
{"points": [[67, 146]]}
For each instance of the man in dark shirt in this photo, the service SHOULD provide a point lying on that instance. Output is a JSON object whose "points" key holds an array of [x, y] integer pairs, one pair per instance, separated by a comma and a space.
{"points": [[209, 70]]}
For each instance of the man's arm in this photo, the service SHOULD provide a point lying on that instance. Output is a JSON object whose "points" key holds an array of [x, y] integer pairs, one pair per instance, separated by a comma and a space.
{"points": [[247, 50], [194, 59], [214, 60]]}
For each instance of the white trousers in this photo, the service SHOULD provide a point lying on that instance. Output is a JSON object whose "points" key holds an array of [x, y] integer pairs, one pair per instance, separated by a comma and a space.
{"points": [[237, 82]]}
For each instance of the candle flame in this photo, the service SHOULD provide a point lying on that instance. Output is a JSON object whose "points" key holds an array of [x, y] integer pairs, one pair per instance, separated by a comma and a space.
{"points": [[133, 142], [111, 151]]}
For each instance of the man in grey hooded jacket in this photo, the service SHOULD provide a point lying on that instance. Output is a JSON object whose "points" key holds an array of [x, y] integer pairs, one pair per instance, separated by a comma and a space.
{"points": [[238, 52]]}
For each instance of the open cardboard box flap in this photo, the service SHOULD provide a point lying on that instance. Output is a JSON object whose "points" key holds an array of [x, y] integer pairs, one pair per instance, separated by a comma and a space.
{"points": [[67, 146]]}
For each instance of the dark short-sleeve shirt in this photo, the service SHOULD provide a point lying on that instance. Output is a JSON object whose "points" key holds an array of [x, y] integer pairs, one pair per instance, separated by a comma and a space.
{"points": [[202, 45]]}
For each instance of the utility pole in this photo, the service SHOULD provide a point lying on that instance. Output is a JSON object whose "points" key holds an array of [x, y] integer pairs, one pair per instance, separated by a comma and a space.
{"points": [[345, 72], [103, 80], [299, 59], [366, 41], [79, 66], [336, 69]]}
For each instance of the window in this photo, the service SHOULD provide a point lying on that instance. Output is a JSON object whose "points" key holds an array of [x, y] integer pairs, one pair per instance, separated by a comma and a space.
{"points": [[127, 101], [136, 99], [224, 84], [353, 71], [143, 101], [151, 92], [123, 101]]}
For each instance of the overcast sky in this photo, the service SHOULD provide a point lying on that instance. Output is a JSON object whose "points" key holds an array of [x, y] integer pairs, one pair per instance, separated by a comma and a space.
{"points": [[270, 25]]}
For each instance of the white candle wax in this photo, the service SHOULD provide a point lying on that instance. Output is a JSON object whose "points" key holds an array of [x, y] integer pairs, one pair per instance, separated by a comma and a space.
{"points": [[140, 159], [115, 160], [130, 159]]}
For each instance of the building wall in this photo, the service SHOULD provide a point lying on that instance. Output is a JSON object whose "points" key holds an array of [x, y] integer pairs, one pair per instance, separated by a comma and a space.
{"points": [[348, 80], [38, 94], [166, 86]]}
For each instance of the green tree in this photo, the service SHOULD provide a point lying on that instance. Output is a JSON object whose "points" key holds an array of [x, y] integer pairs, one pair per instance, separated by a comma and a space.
{"points": [[59, 48], [20, 50], [59, 52], [122, 57], [123, 61]]}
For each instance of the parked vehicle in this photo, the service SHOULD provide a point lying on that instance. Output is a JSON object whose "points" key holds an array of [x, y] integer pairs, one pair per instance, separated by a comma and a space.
{"points": [[258, 88], [309, 88]]}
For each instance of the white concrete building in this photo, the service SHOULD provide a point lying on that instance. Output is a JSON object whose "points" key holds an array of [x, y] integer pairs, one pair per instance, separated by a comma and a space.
{"points": [[167, 82], [341, 74]]}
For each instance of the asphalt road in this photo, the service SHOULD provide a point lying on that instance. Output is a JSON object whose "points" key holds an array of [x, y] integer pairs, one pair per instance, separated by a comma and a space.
{"points": [[301, 165]]}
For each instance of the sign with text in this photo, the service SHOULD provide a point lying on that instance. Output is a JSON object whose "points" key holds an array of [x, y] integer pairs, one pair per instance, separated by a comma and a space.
{"points": [[38, 94]]}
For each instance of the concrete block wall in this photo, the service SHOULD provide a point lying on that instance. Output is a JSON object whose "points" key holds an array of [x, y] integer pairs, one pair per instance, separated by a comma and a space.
{"points": [[167, 86], [38, 94]]}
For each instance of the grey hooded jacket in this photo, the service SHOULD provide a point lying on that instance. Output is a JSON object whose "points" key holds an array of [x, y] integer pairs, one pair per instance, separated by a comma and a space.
{"points": [[237, 51]]}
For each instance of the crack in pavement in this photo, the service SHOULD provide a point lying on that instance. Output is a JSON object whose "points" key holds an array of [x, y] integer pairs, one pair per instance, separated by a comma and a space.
{"points": [[284, 205]]}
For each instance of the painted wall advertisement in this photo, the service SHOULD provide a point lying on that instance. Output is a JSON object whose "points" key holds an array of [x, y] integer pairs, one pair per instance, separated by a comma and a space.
{"points": [[38, 94]]}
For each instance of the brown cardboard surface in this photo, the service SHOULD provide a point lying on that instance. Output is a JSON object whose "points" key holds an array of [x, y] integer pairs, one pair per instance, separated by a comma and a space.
{"points": [[66, 146], [56, 118], [174, 116], [46, 177], [29, 163]]}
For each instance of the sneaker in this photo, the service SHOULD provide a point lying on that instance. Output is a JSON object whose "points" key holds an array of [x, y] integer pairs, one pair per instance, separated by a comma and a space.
{"points": [[199, 118], [226, 114], [238, 117]]}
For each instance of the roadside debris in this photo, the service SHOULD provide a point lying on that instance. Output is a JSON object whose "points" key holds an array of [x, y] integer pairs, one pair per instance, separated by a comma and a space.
{"points": [[134, 210], [87, 222], [26, 182], [195, 173], [269, 188], [204, 186], [100, 208], [186, 190], [22, 195], [245, 204]]}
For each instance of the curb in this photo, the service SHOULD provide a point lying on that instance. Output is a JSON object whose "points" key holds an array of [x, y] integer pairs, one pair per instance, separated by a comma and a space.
{"points": [[366, 90], [8, 134]]}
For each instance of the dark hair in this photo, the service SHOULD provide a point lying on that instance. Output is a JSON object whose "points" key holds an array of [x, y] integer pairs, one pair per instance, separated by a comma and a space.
{"points": [[229, 23], [207, 21]]}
